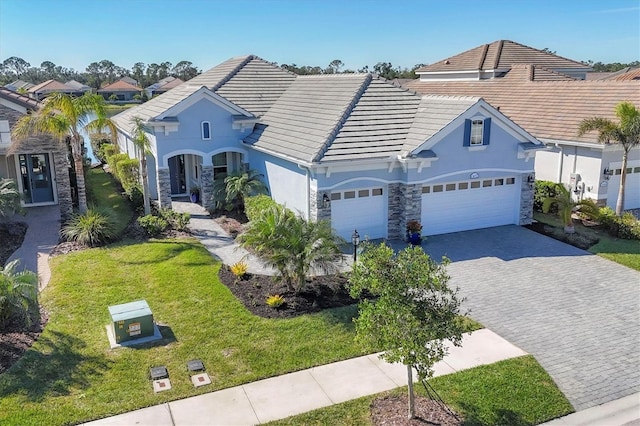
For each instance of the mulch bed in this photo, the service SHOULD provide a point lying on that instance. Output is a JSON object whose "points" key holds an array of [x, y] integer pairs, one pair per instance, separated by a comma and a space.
{"points": [[577, 239], [15, 340], [321, 292], [393, 410], [11, 235]]}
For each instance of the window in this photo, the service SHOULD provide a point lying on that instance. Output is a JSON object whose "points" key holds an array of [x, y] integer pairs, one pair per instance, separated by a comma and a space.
{"points": [[476, 132], [629, 170], [486, 183], [636, 170], [475, 184], [426, 189], [363, 193], [206, 130], [376, 192], [437, 188], [336, 196], [499, 182], [349, 194], [511, 181], [463, 185], [450, 187], [618, 172]]}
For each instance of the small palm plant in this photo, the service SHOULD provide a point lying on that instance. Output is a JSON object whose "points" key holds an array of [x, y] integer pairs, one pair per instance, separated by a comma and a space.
{"points": [[567, 206], [9, 198], [18, 295], [241, 185], [91, 228]]}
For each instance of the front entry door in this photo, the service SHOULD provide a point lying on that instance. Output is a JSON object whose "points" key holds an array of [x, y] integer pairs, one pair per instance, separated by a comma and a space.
{"points": [[36, 178], [177, 175]]}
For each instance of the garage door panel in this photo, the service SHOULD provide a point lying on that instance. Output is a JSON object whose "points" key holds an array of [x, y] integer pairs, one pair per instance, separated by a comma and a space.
{"points": [[631, 190], [367, 214], [471, 208]]}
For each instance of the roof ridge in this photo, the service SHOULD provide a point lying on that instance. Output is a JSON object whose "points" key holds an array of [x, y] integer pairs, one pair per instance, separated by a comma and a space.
{"points": [[483, 56], [496, 62], [549, 53], [231, 73], [368, 77]]}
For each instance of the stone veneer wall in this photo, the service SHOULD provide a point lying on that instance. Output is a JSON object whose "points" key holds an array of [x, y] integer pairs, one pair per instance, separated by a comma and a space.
{"points": [[206, 178], [164, 188], [526, 200], [57, 157], [317, 210], [405, 204]]}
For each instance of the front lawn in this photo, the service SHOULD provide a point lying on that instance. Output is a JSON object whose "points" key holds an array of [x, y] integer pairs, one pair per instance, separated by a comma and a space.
{"points": [[71, 375], [513, 392], [624, 252], [102, 193]]}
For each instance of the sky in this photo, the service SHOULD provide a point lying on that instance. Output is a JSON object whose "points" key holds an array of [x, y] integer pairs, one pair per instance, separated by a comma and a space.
{"points": [[74, 33]]}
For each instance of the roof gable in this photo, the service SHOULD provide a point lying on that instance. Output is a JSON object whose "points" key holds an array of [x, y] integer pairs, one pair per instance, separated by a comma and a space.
{"points": [[120, 86], [501, 55], [203, 93], [10, 96]]}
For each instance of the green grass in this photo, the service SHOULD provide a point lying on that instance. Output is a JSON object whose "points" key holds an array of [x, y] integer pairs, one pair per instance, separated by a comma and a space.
{"points": [[624, 252], [71, 375], [512, 392], [103, 193]]}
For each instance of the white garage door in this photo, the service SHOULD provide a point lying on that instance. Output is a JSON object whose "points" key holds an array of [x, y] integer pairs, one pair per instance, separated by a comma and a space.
{"points": [[631, 188], [475, 204], [363, 209]]}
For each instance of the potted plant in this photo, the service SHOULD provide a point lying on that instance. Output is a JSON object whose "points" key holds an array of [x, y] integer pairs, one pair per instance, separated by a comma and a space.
{"points": [[195, 193], [414, 231]]}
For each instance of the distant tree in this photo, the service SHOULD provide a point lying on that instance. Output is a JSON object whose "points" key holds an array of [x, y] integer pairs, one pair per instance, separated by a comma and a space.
{"points": [[409, 310], [626, 132], [184, 70], [547, 50], [16, 65], [95, 77], [137, 72], [334, 67], [164, 69]]}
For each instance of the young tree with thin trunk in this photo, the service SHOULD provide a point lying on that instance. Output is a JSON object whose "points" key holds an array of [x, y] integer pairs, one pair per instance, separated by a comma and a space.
{"points": [[409, 310], [626, 133], [64, 116], [143, 144]]}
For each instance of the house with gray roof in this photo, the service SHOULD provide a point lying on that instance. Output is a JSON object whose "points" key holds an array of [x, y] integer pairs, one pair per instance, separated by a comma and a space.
{"points": [[353, 149], [549, 96]]}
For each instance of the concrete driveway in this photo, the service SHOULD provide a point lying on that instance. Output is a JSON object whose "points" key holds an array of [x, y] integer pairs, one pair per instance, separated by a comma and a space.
{"points": [[577, 313]]}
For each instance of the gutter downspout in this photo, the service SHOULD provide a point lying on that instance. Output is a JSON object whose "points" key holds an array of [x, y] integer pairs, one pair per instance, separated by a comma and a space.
{"points": [[560, 161], [308, 195]]}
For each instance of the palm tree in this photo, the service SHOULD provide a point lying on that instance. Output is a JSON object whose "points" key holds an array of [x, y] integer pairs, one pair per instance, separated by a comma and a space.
{"points": [[9, 198], [18, 294], [567, 206], [626, 133], [292, 245], [240, 185], [142, 142], [64, 116]]}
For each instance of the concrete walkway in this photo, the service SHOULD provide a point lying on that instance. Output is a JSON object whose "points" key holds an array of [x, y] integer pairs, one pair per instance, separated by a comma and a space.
{"points": [[295, 393], [42, 235]]}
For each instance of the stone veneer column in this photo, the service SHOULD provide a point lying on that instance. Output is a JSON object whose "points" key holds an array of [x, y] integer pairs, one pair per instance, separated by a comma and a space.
{"points": [[63, 184], [164, 188], [318, 211], [413, 205], [206, 178], [405, 204], [526, 200]]}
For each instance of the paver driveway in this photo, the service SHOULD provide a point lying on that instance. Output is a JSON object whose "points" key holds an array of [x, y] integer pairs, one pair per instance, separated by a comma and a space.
{"points": [[577, 313]]}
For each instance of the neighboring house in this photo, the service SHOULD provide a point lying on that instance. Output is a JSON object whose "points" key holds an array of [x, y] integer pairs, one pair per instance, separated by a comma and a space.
{"points": [[162, 86], [19, 86], [350, 148], [121, 89], [130, 80], [39, 164], [543, 94], [44, 89], [79, 87]]}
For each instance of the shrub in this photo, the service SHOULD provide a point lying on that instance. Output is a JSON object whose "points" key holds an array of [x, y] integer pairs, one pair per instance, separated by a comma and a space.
{"points": [[92, 228], [239, 269], [275, 301], [127, 171], [253, 206], [626, 227], [135, 196], [9, 198], [18, 295], [176, 220], [153, 225], [98, 143], [545, 189], [106, 150]]}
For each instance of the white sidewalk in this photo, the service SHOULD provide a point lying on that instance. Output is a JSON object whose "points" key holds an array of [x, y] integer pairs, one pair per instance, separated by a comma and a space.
{"points": [[283, 396]]}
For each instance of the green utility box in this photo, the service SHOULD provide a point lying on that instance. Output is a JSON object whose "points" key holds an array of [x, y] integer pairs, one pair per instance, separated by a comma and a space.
{"points": [[131, 321]]}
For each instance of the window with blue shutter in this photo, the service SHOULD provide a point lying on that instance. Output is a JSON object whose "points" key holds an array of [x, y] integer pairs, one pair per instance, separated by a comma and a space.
{"points": [[477, 132]]}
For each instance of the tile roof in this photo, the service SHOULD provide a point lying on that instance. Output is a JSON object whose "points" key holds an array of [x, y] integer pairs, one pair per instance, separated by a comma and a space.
{"points": [[625, 74], [50, 86], [546, 109], [19, 99], [120, 86], [501, 54], [528, 72], [19, 84]]}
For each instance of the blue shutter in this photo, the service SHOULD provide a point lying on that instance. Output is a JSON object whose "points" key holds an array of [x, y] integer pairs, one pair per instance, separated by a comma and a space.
{"points": [[467, 133], [486, 131]]}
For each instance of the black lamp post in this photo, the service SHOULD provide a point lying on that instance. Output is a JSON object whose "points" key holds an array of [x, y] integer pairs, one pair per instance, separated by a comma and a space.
{"points": [[355, 240]]}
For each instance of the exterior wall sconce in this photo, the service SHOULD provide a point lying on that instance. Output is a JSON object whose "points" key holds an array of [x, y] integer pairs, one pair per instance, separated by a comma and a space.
{"points": [[531, 179], [355, 240], [607, 173], [326, 202]]}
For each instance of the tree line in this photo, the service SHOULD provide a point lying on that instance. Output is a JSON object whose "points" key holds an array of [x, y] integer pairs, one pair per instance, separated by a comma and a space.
{"points": [[98, 74]]}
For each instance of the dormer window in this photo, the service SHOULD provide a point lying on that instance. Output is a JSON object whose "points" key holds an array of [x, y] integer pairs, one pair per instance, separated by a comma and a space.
{"points": [[477, 132], [206, 130]]}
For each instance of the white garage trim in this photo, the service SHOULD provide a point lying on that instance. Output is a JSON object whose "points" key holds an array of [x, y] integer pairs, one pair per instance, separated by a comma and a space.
{"points": [[362, 209], [474, 204]]}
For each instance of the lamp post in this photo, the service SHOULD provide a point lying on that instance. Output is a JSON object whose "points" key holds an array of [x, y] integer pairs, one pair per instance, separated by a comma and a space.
{"points": [[355, 240]]}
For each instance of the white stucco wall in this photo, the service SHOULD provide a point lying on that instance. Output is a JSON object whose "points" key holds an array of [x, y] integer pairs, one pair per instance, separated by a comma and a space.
{"points": [[291, 186]]}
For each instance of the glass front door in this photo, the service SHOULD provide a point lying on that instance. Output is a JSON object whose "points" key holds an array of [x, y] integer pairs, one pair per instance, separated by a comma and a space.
{"points": [[177, 175], [37, 185]]}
